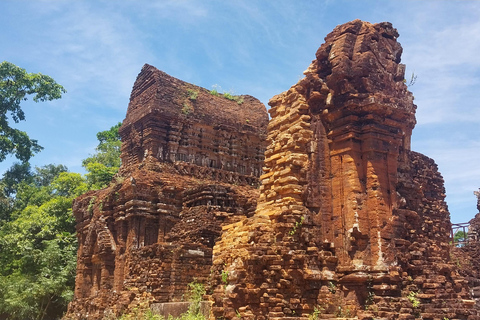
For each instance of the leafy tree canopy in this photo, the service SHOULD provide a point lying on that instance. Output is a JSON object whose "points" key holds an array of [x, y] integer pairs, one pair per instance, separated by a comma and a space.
{"points": [[104, 164], [15, 85], [20, 186], [459, 238], [18, 172], [37, 231], [38, 245]]}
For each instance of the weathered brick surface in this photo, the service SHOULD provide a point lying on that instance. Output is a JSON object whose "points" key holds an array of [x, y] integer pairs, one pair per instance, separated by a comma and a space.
{"points": [[190, 165], [467, 256], [349, 220]]}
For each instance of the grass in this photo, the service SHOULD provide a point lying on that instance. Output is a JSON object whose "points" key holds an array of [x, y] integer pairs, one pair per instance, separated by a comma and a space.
{"points": [[228, 95], [186, 109], [192, 94], [195, 293]]}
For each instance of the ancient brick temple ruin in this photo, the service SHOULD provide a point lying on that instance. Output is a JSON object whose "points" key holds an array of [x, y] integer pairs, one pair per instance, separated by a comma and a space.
{"points": [[347, 222], [190, 165]]}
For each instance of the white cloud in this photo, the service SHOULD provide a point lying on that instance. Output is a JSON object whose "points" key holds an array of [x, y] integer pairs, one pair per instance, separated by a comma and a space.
{"points": [[443, 52]]}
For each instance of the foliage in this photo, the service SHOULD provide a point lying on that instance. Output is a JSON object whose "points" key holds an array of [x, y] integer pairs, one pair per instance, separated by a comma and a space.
{"points": [[99, 175], [297, 225], [214, 91], [370, 300], [412, 80], [317, 311], [224, 276], [15, 85], [45, 175], [186, 109], [459, 238], [17, 173], [228, 95], [192, 94], [412, 297], [195, 294], [140, 312], [37, 231], [104, 164], [332, 288], [20, 184], [232, 97], [196, 291], [38, 245]]}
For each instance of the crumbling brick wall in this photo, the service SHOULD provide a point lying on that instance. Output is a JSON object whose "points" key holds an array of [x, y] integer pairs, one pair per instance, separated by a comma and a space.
{"points": [[349, 222], [190, 165]]}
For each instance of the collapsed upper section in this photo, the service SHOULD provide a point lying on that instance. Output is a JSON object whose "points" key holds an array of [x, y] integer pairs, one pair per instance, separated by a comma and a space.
{"points": [[172, 121], [155, 91], [358, 71]]}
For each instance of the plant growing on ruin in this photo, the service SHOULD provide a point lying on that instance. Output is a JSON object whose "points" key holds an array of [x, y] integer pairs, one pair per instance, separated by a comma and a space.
{"points": [[90, 205], [317, 311], [195, 293], [186, 109], [224, 276], [141, 312], [343, 312], [232, 97], [412, 297], [297, 225], [192, 94], [370, 295], [214, 91], [228, 95], [332, 287], [412, 81]]}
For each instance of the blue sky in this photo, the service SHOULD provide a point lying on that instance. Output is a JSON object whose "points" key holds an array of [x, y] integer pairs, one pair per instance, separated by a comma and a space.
{"points": [[96, 49]]}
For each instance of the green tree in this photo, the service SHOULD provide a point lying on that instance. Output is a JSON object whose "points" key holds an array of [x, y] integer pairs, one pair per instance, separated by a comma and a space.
{"points": [[104, 164], [17, 173], [38, 246], [37, 240], [459, 238], [12, 178], [15, 85]]}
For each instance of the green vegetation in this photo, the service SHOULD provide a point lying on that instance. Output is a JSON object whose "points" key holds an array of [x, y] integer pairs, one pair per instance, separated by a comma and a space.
{"points": [[317, 311], [224, 276], [192, 94], [370, 300], [412, 80], [412, 297], [214, 91], [104, 164], [297, 225], [459, 238], [15, 85], [195, 294], [38, 244], [232, 97], [141, 312], [228, 95], [186, 109], [332, 288]]}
